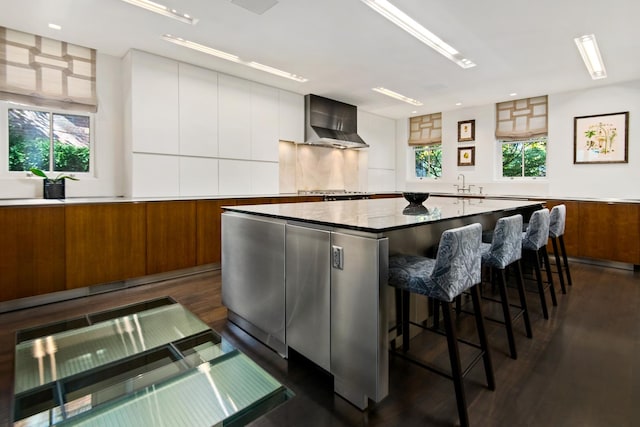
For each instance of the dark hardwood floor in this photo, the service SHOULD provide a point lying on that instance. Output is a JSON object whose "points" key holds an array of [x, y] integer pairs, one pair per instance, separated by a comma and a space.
{"points": [[582, 367]]}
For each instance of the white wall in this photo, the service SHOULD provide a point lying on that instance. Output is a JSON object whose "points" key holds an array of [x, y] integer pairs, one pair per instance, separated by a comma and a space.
{"points": [[380, 157], [564, 179], [107, 178]]}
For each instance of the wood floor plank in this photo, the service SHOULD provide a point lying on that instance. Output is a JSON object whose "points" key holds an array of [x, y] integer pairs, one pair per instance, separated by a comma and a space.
{"points": [[581, 367]]}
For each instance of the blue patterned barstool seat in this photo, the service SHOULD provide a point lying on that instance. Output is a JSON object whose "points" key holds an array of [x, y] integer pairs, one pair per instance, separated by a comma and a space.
{"points": [[505, 250], [534, 242], [557, 219], [455, 269]]}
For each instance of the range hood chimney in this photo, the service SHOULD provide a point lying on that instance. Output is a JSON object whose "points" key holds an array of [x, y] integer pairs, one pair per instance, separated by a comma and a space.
{"points": [[331, 123]]}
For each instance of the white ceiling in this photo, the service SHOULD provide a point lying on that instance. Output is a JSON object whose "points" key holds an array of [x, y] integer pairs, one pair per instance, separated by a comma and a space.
{"points": [[344, 48]]}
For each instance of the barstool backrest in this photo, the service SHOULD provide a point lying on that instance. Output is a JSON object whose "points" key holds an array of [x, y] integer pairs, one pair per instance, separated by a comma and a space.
{"points": [[537, 233], [457, 265], [557, 218], [506, 245]]}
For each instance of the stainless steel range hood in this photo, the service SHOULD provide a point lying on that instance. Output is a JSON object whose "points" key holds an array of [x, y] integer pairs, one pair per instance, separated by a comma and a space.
{"points": [[331, 123]]}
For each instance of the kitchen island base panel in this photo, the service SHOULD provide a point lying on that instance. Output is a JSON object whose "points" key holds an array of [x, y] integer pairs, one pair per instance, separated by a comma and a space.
{"points": [[253, 274]]}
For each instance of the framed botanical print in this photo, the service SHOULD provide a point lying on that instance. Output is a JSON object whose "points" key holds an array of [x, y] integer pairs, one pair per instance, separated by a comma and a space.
{"points": [[602, 138], [467, 131], [466, 156]]}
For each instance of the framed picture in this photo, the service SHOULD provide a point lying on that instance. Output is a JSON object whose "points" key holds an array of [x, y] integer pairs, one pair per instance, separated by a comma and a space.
{"points": [[466, 156], [603, 138], [467, 131]]}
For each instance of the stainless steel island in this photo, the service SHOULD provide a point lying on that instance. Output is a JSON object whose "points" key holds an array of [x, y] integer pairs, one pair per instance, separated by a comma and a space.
{"points": [[313, 276]]}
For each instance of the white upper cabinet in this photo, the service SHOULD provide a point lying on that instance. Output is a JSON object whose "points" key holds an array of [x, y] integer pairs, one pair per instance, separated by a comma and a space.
{"points": [[379, 132], [291, 116], [264, 123], [234, 117], [198, 111], [154, 104]]}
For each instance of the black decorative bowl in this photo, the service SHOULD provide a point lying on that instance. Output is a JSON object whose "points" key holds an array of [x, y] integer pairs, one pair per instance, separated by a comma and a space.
{"points": [[416, 198]]}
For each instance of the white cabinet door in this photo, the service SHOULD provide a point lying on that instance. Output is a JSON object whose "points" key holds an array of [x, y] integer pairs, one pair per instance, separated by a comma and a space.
{"points": [[264, 122], [198, 176], [234, 177], [291, 116], [234, 117], [154, 104], [155, 176], [198, 111], [265, 178], [379, 132]]}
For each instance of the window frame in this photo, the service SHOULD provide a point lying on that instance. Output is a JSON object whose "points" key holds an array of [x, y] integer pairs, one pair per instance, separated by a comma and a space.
{"points": [[412, 160], [5, 106], [499, 170]]}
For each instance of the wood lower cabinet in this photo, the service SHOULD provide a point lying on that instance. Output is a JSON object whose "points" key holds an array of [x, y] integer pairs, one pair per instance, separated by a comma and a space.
{"points": [[171, 236], [104, 243], [209, 230], [33, 251], [609, 231]]}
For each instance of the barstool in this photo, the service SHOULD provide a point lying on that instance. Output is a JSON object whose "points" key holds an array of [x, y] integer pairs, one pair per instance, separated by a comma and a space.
{"points": [[534, 242], [455, 269], [557, 219], [505, 250]]}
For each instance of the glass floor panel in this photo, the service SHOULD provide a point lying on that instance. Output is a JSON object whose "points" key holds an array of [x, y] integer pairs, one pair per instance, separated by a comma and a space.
{"points": [[161, 363]]}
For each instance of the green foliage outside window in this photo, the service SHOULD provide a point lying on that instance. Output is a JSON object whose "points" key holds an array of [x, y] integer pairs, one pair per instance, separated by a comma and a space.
{"points": [[428, 161], [524, 158], [28, 148]]}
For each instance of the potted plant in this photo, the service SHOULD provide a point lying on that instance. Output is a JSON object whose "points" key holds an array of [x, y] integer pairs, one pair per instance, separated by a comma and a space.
{"points": [[53, 188]]}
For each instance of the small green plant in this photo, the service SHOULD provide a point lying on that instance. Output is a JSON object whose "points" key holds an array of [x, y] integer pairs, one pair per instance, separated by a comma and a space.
{"points": [[58, 178]]}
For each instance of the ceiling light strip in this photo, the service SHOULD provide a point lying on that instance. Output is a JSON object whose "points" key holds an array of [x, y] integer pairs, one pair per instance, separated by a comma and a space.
{"points": [[233, 58], [396, 95], [404, 21], [588, 47], [276, 72], [163, 10]]}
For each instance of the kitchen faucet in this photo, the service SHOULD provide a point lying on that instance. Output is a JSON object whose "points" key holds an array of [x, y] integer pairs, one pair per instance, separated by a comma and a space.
{"points": [[464, 188]]}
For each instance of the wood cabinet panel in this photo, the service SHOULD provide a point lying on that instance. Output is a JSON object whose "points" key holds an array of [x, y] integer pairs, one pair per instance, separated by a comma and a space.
{"points": [[171, 236], [209, 230], [104, 243], [609, 231], [32, 261], [571, 230]]}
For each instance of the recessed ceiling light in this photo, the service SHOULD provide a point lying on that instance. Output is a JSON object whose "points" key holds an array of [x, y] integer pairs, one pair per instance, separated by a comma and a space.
{"points": [[163, 10], [458, 103], [54, 26], [404, 21], [230, 57], [588, 47], [396, 95], [414, 111], [512, 94]]}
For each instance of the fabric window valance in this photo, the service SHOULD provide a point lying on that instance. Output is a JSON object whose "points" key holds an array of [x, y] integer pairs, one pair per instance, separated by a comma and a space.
{"points": [[522, 119], [45, 72], [425, 130]]}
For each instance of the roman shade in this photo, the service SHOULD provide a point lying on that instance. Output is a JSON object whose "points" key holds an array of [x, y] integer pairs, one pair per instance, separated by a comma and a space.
{"points": [[521, 119], [40, 71], [425, 130]]}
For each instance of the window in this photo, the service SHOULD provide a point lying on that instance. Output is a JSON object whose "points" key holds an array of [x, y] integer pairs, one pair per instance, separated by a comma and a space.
{"points": [[49, 140], [525, 158], [428, 161]]}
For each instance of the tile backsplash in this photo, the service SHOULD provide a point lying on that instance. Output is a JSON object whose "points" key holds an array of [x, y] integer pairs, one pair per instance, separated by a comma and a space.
{"points": [[306, 168]]}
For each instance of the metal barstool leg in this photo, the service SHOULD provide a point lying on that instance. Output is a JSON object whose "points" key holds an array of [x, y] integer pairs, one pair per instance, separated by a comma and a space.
{"points": [[454, 358], [566, 261], [543, 299], [556, 255], [545, 257], [502, 286], [523, 299]]}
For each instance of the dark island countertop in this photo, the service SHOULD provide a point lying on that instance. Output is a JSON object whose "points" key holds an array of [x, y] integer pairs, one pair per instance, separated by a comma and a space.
{"points": [[381, 215]]}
